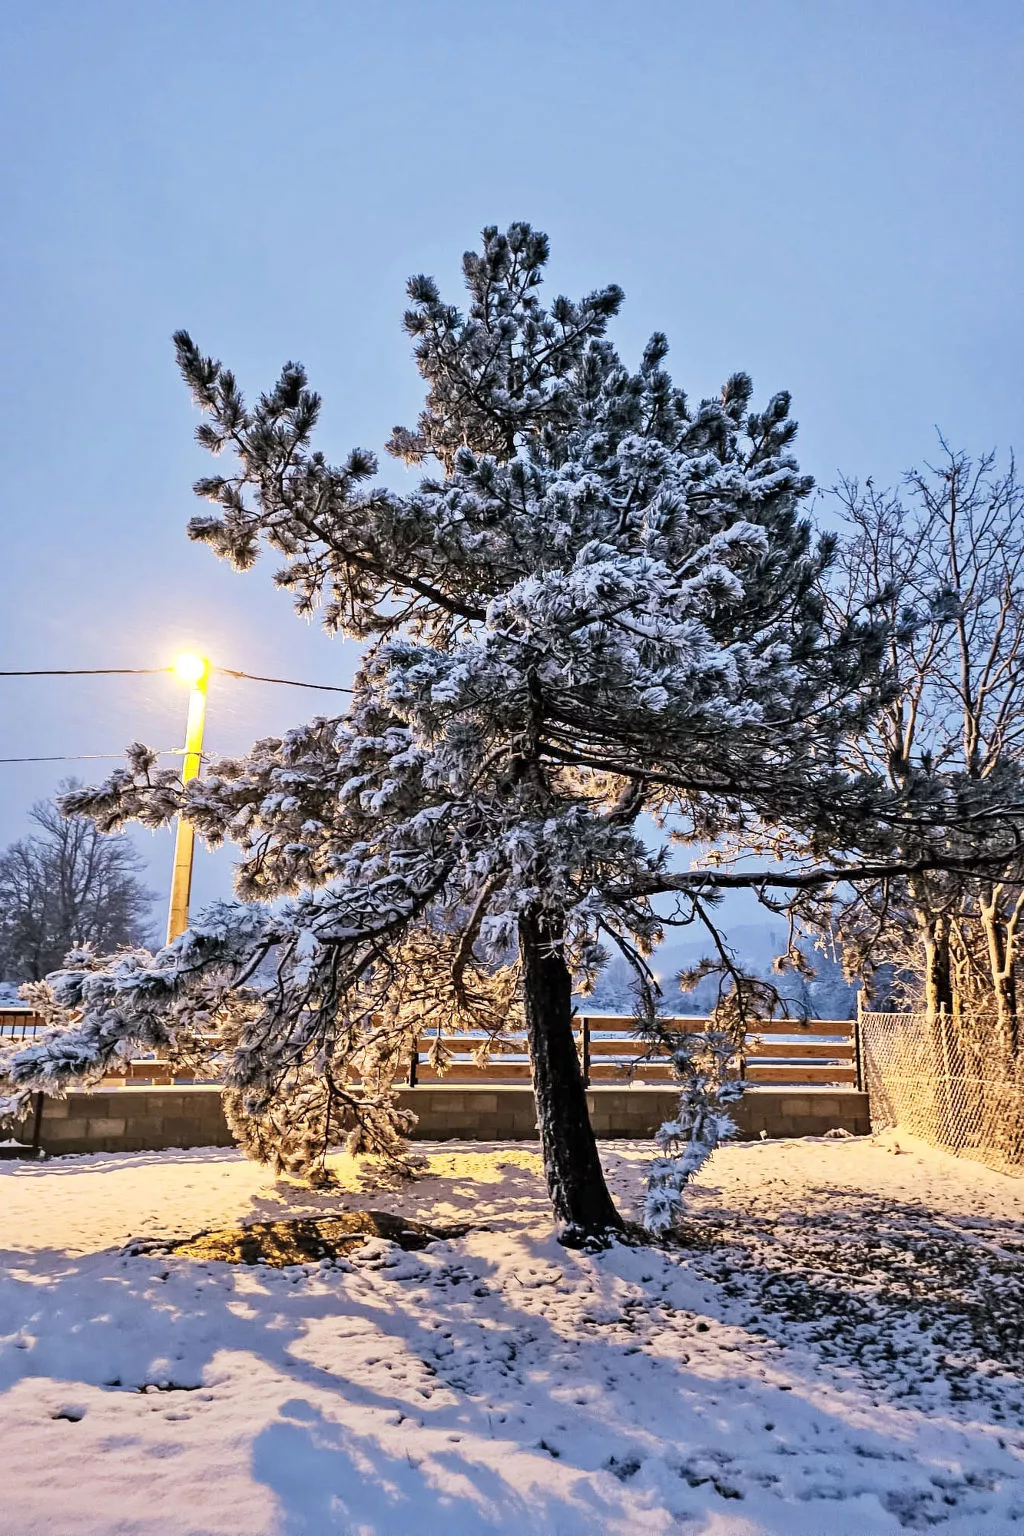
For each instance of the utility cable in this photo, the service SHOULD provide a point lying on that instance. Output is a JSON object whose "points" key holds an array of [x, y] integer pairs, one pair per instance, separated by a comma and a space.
{"points": [[252, 677], [90, 757], [288, 682], [89, 672], [82, 757]]}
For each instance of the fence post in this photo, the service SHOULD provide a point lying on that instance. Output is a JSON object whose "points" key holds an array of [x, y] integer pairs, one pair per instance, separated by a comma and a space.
{"points": [[414, 1061], [858, 1047], [949, 1136], [37, 1125], [585, 1054]]}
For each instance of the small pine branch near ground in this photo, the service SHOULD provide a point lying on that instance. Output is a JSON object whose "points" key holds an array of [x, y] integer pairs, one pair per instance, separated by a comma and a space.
{"points": [[601, 601]]}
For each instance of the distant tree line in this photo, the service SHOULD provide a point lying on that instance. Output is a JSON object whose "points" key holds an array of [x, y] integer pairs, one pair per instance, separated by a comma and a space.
{"points": [[942, 560], [65, 887]]}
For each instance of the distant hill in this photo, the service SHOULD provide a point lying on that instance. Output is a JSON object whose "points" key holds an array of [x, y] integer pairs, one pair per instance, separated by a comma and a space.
{"points": [[826, 995], [755, 945]]}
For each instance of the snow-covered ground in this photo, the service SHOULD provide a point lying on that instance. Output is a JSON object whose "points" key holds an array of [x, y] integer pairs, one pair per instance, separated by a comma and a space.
{"points": [[838, 1351]]}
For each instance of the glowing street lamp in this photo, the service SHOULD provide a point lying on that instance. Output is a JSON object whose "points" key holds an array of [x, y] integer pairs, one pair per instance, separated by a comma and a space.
{"points": [[194, 671], [190, 668]]}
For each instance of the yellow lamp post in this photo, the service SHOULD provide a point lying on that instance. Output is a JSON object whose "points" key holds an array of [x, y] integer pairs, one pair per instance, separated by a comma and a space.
{"points": [[195, 671]]}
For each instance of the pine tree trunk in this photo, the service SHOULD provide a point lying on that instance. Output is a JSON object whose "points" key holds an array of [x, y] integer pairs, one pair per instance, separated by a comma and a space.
{"points": [[579, 1194]]}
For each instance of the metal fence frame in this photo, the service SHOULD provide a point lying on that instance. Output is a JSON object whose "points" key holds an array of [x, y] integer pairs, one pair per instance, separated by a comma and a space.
{"points": [[944, 1080]]}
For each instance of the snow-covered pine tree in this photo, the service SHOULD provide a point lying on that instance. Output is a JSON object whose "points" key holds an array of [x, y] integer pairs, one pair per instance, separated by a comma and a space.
{"points": [[599, 601]]}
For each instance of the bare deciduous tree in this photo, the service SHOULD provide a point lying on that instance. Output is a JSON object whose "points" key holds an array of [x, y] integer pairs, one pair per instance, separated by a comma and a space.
{"points": [[64, 887], [943, 558]]}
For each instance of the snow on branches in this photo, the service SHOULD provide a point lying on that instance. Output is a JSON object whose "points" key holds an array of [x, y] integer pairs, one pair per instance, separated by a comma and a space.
{"points": [[702, 1123], [599, 601]]}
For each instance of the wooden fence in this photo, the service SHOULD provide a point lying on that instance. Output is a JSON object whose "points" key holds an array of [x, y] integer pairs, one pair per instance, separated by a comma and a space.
{"points": [[18, 1024], [815, 1053], [820, 1052]]}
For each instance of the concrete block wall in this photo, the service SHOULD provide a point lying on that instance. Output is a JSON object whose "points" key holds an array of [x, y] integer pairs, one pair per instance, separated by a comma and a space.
{"points": [[508, 1114], [131, 1120], [802, 1112], [150, 1119]]}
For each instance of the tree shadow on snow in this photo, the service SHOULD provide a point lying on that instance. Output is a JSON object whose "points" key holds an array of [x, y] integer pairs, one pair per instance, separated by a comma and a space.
{"points": [[453, 1396], [73, 1163], [833, 1261]]}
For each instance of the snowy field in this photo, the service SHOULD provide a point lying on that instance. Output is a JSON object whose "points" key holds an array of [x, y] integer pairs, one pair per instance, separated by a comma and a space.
{"points": [[839, 1350]]}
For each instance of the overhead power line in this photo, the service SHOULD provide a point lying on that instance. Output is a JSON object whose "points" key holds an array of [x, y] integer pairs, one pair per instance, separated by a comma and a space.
{"points": [[252, 677], [287, 681], [82, 757], [89, 757], [89, 672]]}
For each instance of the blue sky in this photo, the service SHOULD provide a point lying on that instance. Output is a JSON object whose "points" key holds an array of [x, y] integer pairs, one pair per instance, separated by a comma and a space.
{"points": [[827, 194]]}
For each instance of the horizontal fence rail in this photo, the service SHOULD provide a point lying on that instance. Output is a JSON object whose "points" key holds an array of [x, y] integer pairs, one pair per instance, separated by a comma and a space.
{"points": [[811, 1053], [819, 1052], [18, 1024]]}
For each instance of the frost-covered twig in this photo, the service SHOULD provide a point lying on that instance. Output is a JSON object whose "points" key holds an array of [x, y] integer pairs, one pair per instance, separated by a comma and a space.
{"points": [[702, 1124]]}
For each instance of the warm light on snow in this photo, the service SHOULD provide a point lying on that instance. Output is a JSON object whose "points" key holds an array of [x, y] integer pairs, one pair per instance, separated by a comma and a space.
{"points": [[497, 1384]]}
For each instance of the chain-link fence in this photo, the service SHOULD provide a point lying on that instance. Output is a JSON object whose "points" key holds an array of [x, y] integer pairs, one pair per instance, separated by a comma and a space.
{"points": [[946, 1080]]}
